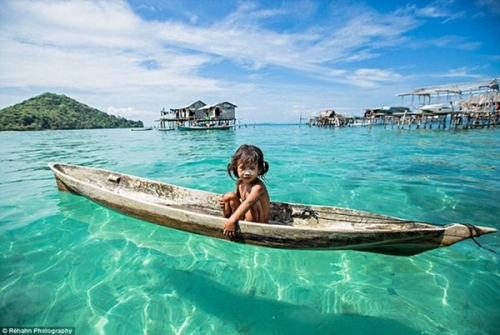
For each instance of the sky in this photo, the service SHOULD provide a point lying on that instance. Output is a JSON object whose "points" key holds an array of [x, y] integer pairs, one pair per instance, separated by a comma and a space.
{"points": [[275, 60]]}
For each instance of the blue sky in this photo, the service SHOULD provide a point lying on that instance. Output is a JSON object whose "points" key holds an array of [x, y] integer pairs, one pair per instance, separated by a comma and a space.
{"points": [[273, 59]]}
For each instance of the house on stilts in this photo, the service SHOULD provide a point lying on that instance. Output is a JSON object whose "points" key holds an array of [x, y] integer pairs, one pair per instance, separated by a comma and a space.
{"points": [[199, 116]]}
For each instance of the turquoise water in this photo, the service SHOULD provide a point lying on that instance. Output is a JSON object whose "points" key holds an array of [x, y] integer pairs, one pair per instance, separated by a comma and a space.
{"points": [[68, 262]]}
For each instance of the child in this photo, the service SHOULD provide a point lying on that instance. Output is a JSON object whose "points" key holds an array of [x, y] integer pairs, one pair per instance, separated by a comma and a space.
{"points": [[250, 202]]}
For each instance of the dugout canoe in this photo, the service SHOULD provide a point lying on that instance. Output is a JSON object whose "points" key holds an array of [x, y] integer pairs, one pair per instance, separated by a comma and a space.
{"points": [[292, 226]]}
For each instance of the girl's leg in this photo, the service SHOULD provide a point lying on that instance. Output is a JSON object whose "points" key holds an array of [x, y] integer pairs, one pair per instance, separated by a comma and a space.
{"points": [[229, 203], [256, 213]]}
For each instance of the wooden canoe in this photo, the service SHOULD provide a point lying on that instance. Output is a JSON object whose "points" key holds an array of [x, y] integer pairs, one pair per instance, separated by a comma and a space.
{"points": [[292, 226]]}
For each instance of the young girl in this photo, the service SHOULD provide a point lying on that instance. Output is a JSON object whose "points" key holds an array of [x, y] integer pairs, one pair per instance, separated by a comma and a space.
{"points": [[250, 202]]}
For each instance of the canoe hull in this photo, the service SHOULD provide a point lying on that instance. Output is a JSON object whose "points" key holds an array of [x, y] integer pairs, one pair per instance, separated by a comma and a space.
{"points": [[293, 226]]}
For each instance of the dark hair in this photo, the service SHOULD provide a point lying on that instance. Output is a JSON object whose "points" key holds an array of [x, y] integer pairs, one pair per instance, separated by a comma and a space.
{"points": [[244, 155]]}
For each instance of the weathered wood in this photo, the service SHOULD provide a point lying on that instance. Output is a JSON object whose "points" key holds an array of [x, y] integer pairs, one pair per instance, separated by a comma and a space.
{"points": [[292, 226]]}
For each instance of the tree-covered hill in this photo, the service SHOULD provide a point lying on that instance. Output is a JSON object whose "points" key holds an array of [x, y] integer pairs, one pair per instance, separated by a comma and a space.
{"points": [[53, 111]]}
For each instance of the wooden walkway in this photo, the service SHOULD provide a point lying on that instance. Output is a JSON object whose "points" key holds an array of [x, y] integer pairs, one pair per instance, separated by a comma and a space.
{"points": [[448, 120]]}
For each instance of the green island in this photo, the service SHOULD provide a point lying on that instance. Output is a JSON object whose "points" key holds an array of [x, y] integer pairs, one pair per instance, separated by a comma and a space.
{"points": [[50, 111]]}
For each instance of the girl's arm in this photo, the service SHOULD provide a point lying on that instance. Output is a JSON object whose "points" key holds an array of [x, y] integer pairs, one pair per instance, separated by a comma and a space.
{"points": [[252, 198]]}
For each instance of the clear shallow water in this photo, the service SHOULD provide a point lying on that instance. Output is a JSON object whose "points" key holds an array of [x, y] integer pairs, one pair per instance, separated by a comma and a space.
{"points": [[66, 261]]}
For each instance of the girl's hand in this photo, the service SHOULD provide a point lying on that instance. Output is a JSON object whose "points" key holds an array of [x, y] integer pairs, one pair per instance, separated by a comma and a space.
{"points": [[229, 228], [221, 203]]}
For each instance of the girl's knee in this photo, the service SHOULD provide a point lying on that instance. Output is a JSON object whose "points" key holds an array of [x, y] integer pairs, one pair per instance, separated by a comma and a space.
{"points": [[229, 196]]}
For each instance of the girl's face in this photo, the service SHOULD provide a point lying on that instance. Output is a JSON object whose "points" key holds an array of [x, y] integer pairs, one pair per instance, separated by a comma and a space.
{"points": [[248, 172]]}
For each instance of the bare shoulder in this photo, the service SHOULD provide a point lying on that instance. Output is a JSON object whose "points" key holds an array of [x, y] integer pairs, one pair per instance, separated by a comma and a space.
{"points": [[262, 189], [260, 185]]}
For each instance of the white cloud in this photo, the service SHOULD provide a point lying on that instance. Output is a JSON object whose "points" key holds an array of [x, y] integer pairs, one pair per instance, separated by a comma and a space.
{"points": [[460, 72], [131, 113], [370, 77], [491, 5], [437, 10]]}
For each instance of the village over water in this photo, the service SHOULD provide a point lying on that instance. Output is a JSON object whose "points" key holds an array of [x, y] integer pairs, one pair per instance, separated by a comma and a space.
{"points": [[457, 106]]}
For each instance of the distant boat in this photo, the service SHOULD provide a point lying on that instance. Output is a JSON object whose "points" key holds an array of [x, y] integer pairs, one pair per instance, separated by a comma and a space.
{"points": [[361, 123], [437, 109], [390, 110], [141, 129], [291, 226], [204, 127]]}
